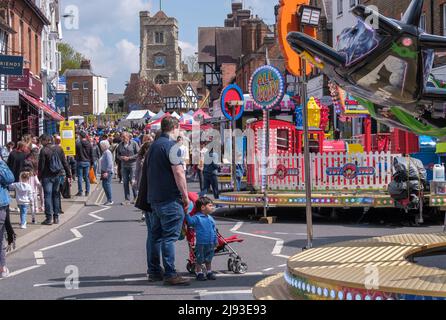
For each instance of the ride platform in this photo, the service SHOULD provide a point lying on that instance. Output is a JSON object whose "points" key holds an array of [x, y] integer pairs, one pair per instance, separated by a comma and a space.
{"points": [[328, 199], [377, 268]]}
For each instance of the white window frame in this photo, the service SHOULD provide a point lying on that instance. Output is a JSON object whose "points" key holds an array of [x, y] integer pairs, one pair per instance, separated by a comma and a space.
{"points": [[423, 22], [83, 85], [74, 101], [85, 103], [340, 7], [72, 85]]}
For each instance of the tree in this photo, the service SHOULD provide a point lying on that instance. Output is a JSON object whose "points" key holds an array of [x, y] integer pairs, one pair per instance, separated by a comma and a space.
{"points": [[144, 94], [71, 59], [193, 73]]}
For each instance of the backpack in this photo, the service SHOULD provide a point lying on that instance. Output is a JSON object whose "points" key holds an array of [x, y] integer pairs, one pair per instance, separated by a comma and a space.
{"points": [[55, 163]]}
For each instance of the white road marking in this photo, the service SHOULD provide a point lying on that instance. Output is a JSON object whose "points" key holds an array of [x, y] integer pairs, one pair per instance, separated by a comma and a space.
{"points": [[210, 293], [283, 256], [38, 255], [17, 272], [40, 262], [247, 274], [135, 279], [96, 217], [59, 244], [76, 233], [290, 234], [277, 248], [237, 226], [268, 269], [102, 299], [281, 266]]}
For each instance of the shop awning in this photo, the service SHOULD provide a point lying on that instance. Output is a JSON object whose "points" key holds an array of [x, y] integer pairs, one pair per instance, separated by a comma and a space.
{"points": [[40, 105]]}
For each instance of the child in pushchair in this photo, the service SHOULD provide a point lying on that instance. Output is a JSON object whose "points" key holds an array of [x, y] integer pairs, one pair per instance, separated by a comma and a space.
{"points": [[196, 217]]}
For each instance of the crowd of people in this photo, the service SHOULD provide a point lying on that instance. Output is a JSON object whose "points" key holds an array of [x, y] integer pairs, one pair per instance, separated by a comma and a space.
{"points": [[37, 170]]}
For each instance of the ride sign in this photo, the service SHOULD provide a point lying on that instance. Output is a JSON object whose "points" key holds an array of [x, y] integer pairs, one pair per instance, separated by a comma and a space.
{"points": [[350, 171], [232, 102], [267, 87]]}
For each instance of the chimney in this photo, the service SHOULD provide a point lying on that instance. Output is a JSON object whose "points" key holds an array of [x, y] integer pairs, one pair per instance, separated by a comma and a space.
{"points": [[86, 64], [236, 5]]}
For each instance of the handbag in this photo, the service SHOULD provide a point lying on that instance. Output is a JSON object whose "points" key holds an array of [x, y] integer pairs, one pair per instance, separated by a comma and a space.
{"points": [[92, 176], [66, 189]]}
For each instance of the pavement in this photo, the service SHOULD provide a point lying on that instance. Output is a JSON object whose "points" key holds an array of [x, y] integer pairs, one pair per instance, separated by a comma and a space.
{"points": [[70, 207], [99, 253]]}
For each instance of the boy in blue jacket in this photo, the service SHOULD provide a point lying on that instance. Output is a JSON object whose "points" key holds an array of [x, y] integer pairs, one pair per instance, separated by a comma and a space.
{"points": [[206, 235]]}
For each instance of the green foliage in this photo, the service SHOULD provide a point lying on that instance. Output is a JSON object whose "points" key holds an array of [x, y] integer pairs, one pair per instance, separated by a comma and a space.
{"points": [[71, 59]]}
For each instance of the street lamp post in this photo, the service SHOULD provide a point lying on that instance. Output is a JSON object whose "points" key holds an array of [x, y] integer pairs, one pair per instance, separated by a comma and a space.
{"points": [[308, 16]]}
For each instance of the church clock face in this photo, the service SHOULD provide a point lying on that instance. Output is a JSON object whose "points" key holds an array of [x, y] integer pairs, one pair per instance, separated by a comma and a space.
{"points": [[160, 61]]}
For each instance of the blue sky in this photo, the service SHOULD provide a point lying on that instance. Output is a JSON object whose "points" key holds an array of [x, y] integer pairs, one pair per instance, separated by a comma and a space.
{"points": [[108, 30]]}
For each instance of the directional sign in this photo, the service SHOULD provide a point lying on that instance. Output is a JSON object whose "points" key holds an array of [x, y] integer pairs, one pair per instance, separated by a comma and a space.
{"points": [[232, 99]]}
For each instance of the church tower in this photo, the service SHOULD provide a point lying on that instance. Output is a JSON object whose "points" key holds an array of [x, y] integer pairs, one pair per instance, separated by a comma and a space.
{"points": [[160, 55]]}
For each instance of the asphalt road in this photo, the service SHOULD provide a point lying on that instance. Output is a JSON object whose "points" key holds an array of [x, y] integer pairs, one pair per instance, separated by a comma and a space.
{"points": [[100, 254]]}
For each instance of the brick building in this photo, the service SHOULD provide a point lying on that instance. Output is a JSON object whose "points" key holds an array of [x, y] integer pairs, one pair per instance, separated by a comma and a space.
{"points": [[433, 17], [27, 19], [88, 91]]}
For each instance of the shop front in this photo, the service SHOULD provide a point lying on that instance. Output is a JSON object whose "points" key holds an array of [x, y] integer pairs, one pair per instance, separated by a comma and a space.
{"points": [[31, 116]]}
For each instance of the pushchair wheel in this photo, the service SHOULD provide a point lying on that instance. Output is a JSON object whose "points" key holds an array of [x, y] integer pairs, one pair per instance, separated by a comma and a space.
{"points": [[230, 264], [190, 267], [240, 267]]}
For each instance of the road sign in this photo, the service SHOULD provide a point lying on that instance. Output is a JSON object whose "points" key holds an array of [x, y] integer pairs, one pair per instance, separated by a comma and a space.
{"points": [[68, 137], [232, 98], [9, 98]]}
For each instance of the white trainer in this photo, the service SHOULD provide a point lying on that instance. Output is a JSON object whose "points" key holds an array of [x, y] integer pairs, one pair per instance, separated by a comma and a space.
{"points": [[5, 273]]}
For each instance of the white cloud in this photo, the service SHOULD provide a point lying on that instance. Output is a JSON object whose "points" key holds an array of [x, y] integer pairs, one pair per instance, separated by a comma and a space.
{"points": [[111, 61], [264, 9], [127, 13], [188, 49], [128, 53]]}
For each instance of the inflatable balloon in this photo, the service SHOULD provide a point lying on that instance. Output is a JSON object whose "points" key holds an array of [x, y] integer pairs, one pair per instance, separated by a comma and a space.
{"points": [[386, 65]]}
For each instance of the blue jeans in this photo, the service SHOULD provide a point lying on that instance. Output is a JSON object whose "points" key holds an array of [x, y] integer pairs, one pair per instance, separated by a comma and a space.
{"points": [[83, 170], [166, 222], [128, 175], [23, 213], [210, 180], [239, 183], [51, 190], [106, 184], [153, 249]]}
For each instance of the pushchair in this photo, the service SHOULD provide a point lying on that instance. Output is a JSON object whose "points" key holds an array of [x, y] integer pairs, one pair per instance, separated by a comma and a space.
{"points": [[234, 264]]}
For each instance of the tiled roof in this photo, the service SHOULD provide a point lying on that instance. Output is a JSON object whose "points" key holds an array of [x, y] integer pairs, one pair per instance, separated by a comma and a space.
{"points": [[79, 73], [221, 44], [161, 15], [173, 90]]}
